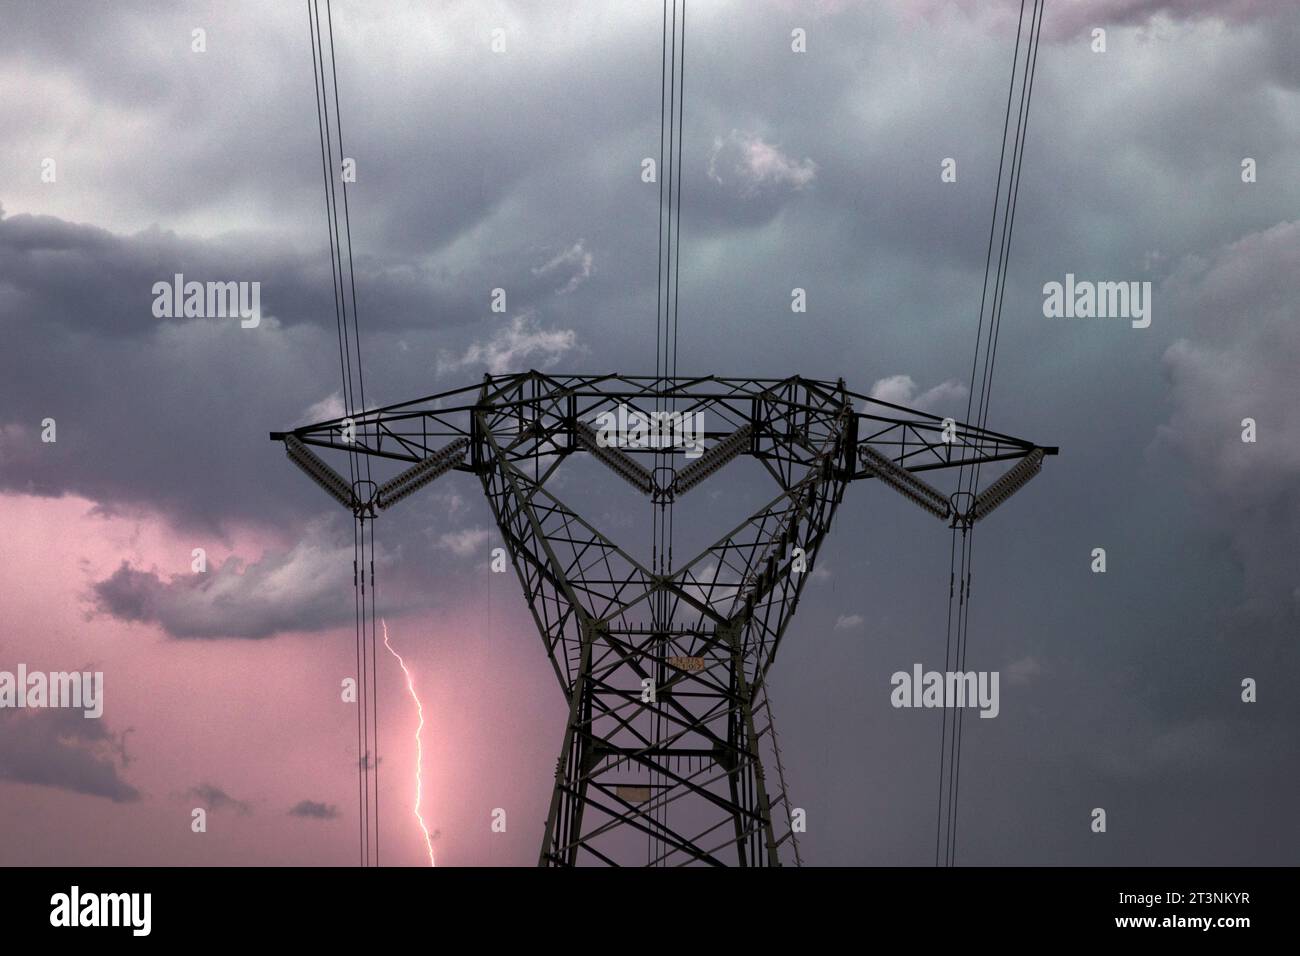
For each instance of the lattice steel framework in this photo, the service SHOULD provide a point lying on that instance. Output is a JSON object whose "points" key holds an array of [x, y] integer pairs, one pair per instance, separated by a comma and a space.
{"points": [[669, 728]]}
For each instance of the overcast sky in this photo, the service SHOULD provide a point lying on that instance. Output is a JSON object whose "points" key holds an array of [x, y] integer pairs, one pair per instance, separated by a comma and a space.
{"points": [[521, 170]]}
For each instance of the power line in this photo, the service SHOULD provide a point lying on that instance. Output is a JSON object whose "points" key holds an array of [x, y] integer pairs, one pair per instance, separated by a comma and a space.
{"points": [[668, 272], [960, 569], [343, 279]]}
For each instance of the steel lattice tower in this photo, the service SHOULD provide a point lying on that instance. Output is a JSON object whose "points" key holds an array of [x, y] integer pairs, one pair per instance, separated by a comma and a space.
{"points": [[669, 730]]}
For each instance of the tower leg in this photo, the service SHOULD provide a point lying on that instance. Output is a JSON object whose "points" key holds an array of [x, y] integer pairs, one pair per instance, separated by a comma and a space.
{"points": [[572, 771]]}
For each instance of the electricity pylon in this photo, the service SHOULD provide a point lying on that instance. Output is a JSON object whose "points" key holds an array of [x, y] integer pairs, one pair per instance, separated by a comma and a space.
{"points": [[669, 731]]}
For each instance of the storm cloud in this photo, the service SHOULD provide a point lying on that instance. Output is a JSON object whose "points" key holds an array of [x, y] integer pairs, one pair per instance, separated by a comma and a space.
{"points": [[61, 748]]}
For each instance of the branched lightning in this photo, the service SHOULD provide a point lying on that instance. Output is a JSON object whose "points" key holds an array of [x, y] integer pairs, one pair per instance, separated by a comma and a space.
{"points": [[419, 747]]}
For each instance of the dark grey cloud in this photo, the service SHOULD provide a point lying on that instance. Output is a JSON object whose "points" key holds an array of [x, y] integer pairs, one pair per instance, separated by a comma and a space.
{"points": [[1239, 362], [89, 279], [312, 810], [305, 588], [76, 302], [212, 797], [62, 748]]}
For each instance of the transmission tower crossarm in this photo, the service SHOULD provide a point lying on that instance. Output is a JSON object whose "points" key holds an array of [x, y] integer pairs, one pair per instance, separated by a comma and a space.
{"points": [[920, 441]]}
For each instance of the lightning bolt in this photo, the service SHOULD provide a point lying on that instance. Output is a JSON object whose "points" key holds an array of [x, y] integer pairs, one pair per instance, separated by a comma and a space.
{"points": [[419, 746]]}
